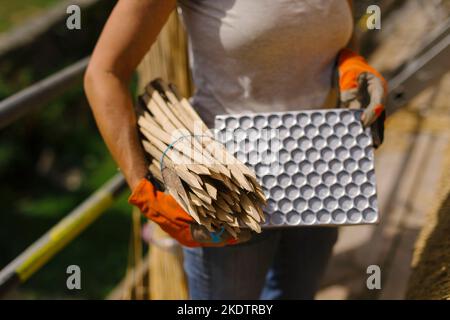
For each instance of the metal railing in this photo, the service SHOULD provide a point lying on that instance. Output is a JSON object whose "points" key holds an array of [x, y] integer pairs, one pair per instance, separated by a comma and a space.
{"points": [[41, 251], [41, 92]]}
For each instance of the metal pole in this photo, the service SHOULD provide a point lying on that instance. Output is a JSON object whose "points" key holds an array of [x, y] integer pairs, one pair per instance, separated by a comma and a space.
{"points": [[41, 92], [40, 252], [424, 70]]}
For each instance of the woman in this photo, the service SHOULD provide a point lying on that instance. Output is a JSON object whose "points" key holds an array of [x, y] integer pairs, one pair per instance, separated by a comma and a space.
{"points": [[247, 55]]}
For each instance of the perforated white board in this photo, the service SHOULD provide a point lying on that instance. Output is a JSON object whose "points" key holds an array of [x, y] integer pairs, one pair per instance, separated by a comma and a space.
{"points": [[316, 167]]}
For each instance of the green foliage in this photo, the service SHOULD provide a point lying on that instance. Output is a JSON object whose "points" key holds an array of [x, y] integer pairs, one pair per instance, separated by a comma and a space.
{"points": [[14, 12]]}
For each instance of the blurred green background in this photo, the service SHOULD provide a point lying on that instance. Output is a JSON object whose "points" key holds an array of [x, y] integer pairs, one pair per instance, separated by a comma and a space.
{"points": [[53, 158]]}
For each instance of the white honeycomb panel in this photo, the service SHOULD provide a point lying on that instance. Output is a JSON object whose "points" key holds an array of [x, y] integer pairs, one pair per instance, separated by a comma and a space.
{"points": [[316, 167]]}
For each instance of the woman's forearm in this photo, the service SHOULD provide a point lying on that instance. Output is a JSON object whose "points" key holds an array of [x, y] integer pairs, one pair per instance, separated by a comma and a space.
{"points": [[128, 34], [114, 113]]}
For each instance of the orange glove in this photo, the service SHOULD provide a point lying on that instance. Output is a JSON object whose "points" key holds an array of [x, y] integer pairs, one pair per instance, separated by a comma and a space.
{"points": [[362, 87], [165, 211]]}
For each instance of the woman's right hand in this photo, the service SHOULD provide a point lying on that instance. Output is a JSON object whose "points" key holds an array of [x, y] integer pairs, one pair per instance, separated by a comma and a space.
{"points": [[168, 214]]}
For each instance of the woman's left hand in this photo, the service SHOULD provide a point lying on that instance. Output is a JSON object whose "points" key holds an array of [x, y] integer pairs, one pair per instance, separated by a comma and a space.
{"points": [[361, 86]]}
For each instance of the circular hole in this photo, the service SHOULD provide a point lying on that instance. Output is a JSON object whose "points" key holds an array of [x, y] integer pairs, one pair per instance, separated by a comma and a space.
{"points": [[277, 219], [308, 217], [282, 132], [290, 143], [333, 142], [284, 180], [320, 166], [267, 157], [367, 189], [302, 119], [365, 164], [344, 178], [369, 215], [261, 169], [275, 168], [317, 118], [304, 143], [291, 167], [293, 218], [274, 121], [335, 166], [271, 206], [313, 179], [330, 203], [337, 190], [338, 216], [363, 140], [373, 202], [355, 128], [326, 154], [340, 129], [296, 132], [323, 216], [260, 122], [285, 205], [262, 146], [232, 123], [253, 157], [288, 120], [275, 144], [238, 135], [350, 165], [297, 155], [356, 153], [220, 124], [342, 153], [325, 130], [292, 192], [306, 192], [345, 203], [245, 122], [352, 190], [348, 141], [358, 177], [298, 179], [311, 131], [245, 146], [322, 191], [241, 156], [331, 117], [252, 134], [269, 181], [361, 202], [319, 142], [371, 176], [305, 167], [354, 216], [329, 178], [368, 151], [276, 193], [299, 205], [283, 156], [346, 117], [314, 204], [312, 155]]}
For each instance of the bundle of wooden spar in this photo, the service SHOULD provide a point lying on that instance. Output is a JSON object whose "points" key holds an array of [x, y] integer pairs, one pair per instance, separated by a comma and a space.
{"points": [[215, 188]]}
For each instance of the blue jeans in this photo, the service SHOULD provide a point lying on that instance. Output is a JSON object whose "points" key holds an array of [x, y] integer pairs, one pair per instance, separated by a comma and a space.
{"points": [[276, 264]]}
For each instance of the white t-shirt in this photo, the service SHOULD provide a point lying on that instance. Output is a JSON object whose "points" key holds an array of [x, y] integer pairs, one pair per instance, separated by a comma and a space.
{"points": [[263, 55]]}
